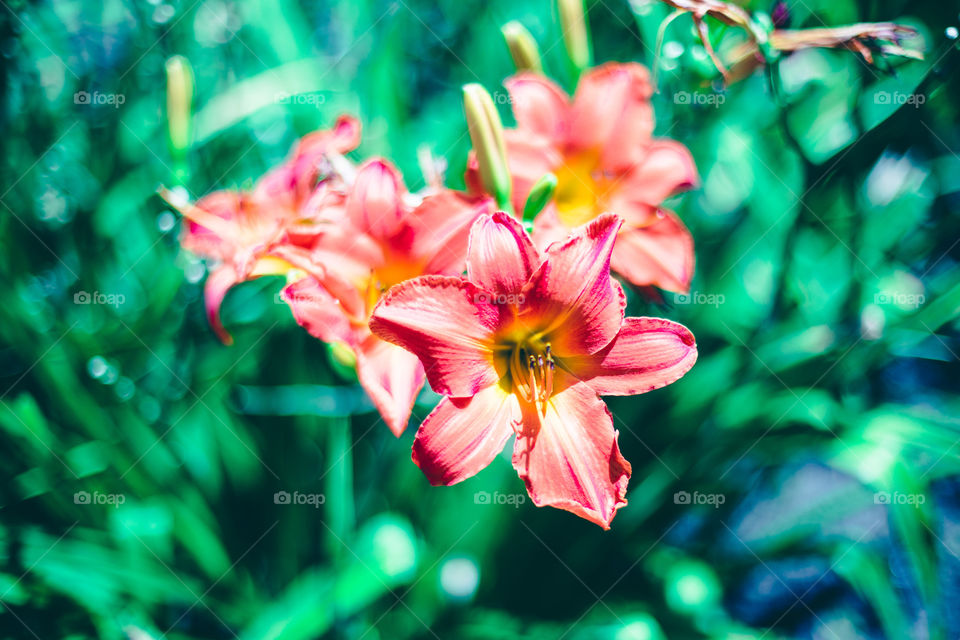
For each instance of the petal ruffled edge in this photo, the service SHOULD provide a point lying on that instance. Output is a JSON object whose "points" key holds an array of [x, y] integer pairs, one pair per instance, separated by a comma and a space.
{"points": [[446, 322], [647, 354], [570, 458], [461, 436]]}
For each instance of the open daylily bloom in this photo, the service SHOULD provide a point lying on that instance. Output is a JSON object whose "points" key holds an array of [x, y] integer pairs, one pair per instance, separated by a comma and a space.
{"points": [[382, 240], [240, 230], [599, 146], [524, 346]]}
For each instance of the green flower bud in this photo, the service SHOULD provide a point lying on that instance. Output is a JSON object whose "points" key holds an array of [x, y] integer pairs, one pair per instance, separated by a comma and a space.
{"points": [[179, 103], [573, 22], [486, 133], [540, 195], [523, 48]]}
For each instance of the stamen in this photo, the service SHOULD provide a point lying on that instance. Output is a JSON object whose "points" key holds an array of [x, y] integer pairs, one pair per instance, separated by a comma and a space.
{"points": [[535, 383]]}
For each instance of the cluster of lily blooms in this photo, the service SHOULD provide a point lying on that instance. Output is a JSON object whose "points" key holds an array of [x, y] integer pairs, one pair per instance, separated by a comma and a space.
{"points": [[514, 318]]}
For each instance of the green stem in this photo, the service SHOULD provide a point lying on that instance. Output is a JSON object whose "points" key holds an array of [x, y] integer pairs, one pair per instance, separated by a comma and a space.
{"points": [[339, 487]]}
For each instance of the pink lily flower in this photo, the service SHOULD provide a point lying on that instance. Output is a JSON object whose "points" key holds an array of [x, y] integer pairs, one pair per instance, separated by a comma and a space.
{"points": [[240, 230], [380, 241], [599, 146], [524, 346]]}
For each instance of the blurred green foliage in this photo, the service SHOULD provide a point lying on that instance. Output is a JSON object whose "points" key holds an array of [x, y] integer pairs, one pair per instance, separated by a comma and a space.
{"points": [[145, 464]]}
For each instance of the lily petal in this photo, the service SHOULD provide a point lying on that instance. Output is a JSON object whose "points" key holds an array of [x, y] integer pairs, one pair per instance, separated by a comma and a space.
{"points": [[572, 291], [501, 256], [318, 312], [660, 254], [612, 112], [392, 377], [440, 229], [206, 242], [463, 435], [375, 203], [340, 281], [570, 458], [647, 354], [218, 283], [539, 105], [444, 321], [665, 169]]}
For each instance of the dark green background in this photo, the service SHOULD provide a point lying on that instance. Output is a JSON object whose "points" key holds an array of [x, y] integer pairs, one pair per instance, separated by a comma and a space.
{"points": [[826, 233]]}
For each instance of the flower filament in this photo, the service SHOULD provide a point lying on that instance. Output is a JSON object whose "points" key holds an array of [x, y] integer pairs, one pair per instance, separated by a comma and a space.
{"points": [[531, 371]]}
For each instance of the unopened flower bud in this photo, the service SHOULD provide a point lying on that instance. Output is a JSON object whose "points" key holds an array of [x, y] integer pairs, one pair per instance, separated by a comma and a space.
{"points": [[486, 133], [573, 22], [540, 195], [523, 48], [179, 102]]}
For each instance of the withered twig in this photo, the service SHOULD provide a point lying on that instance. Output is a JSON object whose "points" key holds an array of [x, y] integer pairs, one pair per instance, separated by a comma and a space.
{"points": [[862, 38]]}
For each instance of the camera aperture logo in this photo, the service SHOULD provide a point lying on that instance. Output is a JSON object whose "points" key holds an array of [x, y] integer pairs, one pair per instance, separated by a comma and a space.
{"points": [[297, 498], [512, 499], [712, 499], [111, 499], [111, 299]]}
